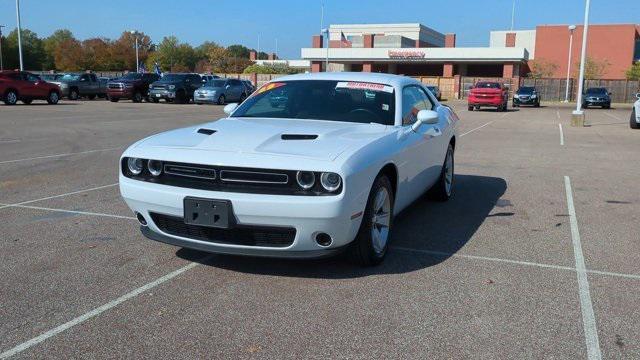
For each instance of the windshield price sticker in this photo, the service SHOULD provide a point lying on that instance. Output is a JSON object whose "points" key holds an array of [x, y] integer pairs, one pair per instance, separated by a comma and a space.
{"points": [[269, 87], [364, 86]]}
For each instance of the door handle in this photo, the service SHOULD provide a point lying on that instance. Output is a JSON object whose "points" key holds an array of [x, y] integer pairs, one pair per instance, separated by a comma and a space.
{"points": [[433, 131]]}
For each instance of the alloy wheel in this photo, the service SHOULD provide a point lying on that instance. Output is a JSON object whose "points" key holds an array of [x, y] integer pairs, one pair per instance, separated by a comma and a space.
{"points": [[381, 220]]}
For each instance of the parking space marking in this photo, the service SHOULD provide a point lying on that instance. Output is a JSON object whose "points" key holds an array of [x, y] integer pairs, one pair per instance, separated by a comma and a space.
{"points": [[60, 195], [561, 134], [59, 155], [514, 262], [478, 128], [99, 310], [70, 211], [586, 306], [613, 116]]}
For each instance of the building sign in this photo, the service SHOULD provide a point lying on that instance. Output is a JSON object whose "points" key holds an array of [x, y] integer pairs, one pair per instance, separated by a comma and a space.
{"points": [[406, 54]]}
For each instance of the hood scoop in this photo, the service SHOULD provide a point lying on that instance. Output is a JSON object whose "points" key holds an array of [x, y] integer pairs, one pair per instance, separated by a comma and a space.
{"points": [[298, 137], [206, 131]]}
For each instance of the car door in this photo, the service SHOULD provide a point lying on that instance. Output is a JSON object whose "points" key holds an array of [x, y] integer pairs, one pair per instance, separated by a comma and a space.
{"points": [[95, 84], [421, 160], [29, 86]]}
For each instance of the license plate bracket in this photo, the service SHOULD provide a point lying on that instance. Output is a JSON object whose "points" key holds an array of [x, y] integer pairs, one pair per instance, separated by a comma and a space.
{"points": [[208, 212]]}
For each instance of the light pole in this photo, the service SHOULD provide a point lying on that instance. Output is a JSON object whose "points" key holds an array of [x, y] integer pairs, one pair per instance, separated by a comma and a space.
{"points": [[135, 35], [566, 93], [326, 62], [513, 14], [578, 113], [1, 65], [19, 36]]}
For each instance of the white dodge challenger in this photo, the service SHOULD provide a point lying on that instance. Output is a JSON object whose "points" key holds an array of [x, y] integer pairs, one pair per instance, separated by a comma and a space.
{"points": [[634, 122], [308, 166]]}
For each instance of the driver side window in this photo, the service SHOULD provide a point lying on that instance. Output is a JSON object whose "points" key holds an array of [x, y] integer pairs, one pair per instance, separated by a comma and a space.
{"points": [[414, 99]]}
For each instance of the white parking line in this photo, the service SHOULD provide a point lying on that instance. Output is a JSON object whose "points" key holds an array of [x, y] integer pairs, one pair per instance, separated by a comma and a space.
{"points": [[97, 311], [561, 134], [57, 196], [613, 116], [588, 316], [58, 155], [478, 128], [71, 211]]}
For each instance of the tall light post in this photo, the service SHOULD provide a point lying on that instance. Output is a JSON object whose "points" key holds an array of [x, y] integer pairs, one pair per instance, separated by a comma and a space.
{"points": [[135, 34], [513, 14], [326, 62], [566, 93], [578, 114], [1, 65], [19, 36]]}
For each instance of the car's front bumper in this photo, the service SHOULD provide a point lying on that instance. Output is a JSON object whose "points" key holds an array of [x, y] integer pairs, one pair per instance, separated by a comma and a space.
{"points": [[208, 98], [309, 215], [489, 101], [162, 94], [124, 93], [590, 102], [525, 101]]}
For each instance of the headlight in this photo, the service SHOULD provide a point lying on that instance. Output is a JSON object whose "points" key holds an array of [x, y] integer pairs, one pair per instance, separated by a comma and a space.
{"points": [[306, 179], [128, 85], [330, 181], [171, 87], [135, 165], [155, 167], [534, 96]]}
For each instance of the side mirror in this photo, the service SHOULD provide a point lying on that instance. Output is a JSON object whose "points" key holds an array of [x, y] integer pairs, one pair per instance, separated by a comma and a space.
{"points": [[425, 117], [610, 93], [638, 95], [230, 108], [227, 86]]}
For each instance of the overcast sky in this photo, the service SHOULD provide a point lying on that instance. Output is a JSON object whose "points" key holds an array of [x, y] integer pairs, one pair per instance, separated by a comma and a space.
{"points": [[293, 22]]}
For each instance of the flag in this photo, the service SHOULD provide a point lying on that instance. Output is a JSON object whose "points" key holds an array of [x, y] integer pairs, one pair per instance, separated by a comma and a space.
{"points": [[142, 68], [156, 69], [344, 41]]}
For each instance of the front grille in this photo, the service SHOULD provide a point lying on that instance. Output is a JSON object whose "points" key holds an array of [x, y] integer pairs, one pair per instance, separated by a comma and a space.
{"points": [[253, 177], [158, 87], [245, 235], [190, 171], [115, 86]]}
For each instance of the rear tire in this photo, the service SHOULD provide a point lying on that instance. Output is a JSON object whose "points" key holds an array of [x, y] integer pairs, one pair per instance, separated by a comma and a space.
{"points": [[221, 100], [91, 97], [632, 122], [470, 108], [372, 241], [53, 98], [114, 99], [10, 97], [443, 188], [155, 100], [137, 97]]}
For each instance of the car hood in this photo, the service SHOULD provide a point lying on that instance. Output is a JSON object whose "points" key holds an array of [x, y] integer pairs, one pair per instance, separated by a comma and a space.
{"points": [[322, 140], [166, 83], [211, 88]]}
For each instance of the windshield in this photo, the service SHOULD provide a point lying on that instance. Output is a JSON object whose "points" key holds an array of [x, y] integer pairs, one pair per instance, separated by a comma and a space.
{"points": [[174, 77], [70, 77], [132, 76], [488, 85], [214, 83], [322, 100], [526, 90], [597, 91]]}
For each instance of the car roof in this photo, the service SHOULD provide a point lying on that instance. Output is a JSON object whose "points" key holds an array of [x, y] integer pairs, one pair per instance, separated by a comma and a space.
{"points": [[397, 81]]}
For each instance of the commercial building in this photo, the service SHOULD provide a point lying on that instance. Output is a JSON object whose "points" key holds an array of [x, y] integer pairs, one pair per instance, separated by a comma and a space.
{"points": [[417, 50]]}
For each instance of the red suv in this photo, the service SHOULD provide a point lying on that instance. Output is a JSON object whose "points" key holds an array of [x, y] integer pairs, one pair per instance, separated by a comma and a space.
{"points": [[26, 87], [488, 94]]}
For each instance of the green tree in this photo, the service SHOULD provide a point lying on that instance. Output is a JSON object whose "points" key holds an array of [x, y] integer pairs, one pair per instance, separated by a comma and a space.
{"points": [[634, 72], [270, 69], [123, 51], [238, 51], [33, 54], [50, 45], [173, 56]]}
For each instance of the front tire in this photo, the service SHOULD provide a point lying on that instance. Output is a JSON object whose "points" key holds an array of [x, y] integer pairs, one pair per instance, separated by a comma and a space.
{"points": [[74, 94], [443, 188], [91, 97], [137, 97], [470, 108], [632, 122], [221, 100], [372, 241], [114, 99], [155, 100], [11, 97]]}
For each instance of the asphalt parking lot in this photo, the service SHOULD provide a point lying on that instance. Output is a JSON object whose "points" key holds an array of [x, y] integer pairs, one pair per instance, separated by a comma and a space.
{"points": [[536, 255]]}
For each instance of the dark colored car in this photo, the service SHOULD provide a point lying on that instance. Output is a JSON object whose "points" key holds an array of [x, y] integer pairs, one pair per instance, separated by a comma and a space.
{"points": [[175, 87], [526, 95], [75, 86], [134, 86], [26, 87], [488, 94], [597, 96]]}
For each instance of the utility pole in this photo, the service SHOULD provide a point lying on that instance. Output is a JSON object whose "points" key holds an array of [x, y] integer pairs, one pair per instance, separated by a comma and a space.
{"points": [[19, 36], [135, 35], [1, 64], [566, 93], [578, 115]]}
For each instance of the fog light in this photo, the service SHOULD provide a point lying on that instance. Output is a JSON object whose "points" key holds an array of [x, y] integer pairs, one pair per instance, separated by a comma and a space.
{"points": [[135, 165], [141, 219], [323, 239]]}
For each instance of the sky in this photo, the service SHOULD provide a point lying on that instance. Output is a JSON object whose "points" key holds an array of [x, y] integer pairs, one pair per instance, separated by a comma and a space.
{"points": [[256, 23]]}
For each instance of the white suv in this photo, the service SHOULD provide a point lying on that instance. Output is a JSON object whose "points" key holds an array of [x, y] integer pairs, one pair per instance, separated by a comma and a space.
{"points": [[635, 114]]}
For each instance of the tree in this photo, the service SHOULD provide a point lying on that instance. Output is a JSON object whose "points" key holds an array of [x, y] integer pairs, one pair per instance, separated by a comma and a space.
{"points": [[634, 72], [173, 56], [270, 69], [238, 51], [541, 68], [124, 52], [593, 69], [51, 43], [33, 54], [69, 56], [97, 54]]}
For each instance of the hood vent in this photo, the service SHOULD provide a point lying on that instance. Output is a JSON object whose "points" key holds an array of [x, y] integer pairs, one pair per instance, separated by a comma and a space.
{"points": [[298, 137], [206, 131]]}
